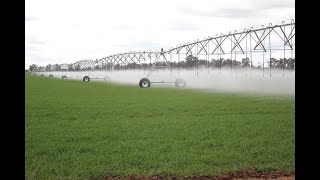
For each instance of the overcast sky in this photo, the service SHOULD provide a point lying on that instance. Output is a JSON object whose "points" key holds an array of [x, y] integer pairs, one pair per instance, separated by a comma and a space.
{"points": [[65, 31]]}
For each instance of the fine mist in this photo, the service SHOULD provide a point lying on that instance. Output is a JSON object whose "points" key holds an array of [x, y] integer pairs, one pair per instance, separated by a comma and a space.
{"points": [[241, 80]]}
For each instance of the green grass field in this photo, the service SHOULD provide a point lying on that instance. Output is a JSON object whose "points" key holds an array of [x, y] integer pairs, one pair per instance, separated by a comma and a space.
{"points": [[80, 130]]}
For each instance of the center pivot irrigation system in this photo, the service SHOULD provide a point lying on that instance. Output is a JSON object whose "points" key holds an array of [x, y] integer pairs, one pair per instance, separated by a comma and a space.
{"points": [[145, 82], [267, 42]]}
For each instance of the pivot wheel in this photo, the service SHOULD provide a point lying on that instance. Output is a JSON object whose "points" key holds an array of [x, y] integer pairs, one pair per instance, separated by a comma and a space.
{"points": [[180, 83], [50, 76], [64, 77], [107, 78], [42, 75], [86, 79], [144, 83]]}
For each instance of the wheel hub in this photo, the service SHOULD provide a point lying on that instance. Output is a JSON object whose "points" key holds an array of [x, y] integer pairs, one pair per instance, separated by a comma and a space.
{"points": [[145, 84]]}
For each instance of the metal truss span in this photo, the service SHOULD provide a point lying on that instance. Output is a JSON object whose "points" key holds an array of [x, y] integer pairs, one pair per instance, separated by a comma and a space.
{"points": [[256, 35], [265, 41], [137, 57]]}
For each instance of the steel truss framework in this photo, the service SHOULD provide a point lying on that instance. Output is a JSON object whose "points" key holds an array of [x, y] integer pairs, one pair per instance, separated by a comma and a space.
{"points": [[245, 42], [137, 57]]}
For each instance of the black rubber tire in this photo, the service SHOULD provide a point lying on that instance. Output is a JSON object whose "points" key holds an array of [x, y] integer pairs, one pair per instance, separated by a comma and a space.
{"points": [[86, 79], [42, 75], [144, 83], [50, 76], [64, 77], [180, 83], [34, 74]]}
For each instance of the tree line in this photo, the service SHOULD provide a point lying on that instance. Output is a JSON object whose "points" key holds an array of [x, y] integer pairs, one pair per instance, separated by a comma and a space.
{"points": [[189, 63]]}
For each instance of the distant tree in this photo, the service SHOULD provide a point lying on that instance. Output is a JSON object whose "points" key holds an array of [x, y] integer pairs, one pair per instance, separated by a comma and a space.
{"points": [[202, 62], [173, 64], [215, 63], [48, 67], [277, 63], [226, 62], [56, 67], [272, 62], [190, 60], [237, 63], [33, 67], [70, 67], [97, 67], [282, 63], [291, 63], [245, 62], [41, 68], [77, 68]]}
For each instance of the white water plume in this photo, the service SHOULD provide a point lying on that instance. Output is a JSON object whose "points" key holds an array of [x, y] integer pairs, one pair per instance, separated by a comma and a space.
{"points": [[281, 82]]}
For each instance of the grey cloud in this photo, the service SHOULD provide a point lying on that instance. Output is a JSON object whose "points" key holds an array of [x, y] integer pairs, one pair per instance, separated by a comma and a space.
{"points": [[234, 13], [33, 40], [272, 4], [29, 18], [31, 48], [238, 13], [182, 25], [123, 27], [259, 8], [140, 44], [74, 25], [39, 59]]}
